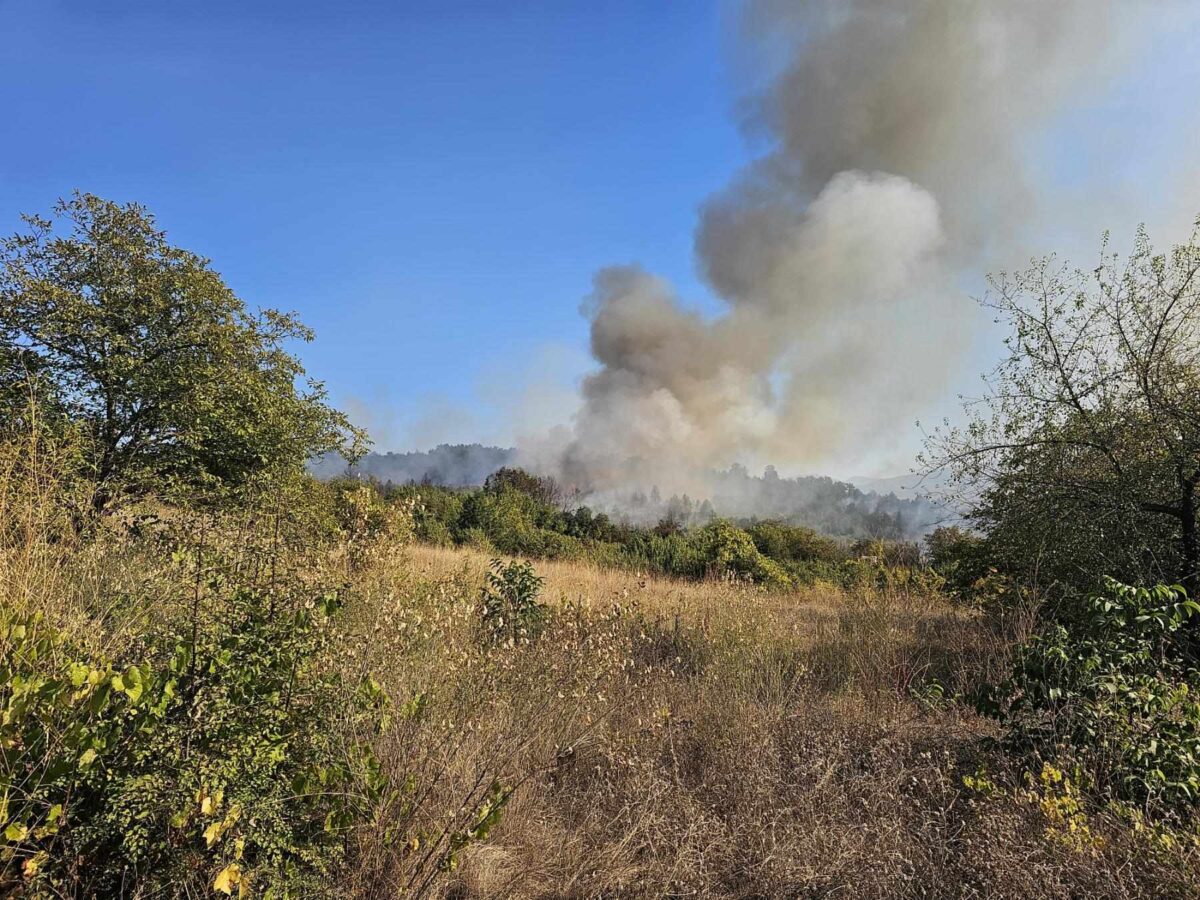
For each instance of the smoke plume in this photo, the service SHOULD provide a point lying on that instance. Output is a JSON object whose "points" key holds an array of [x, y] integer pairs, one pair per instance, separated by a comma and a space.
{"points": [[895, 132]]}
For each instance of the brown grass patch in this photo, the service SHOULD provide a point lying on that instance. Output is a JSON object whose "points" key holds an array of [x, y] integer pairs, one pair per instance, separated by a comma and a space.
{"points": [[674, 739]]}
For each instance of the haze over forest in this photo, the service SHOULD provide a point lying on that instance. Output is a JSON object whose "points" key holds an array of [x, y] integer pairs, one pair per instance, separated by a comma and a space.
{"points": [[895, 508]]}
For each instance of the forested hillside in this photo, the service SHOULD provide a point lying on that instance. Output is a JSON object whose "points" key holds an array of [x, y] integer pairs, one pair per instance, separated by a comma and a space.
{"points": [[832, 507]]}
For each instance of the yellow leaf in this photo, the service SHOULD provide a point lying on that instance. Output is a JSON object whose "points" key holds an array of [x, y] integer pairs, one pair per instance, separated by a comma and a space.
{"points": [[210, 803], [31, 865], [212, 833], [228, 878]]}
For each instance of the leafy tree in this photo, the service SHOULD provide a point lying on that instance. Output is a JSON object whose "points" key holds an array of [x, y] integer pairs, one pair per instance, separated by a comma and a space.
{"points": [[1083, 455], [143, 345], [543, 489]]}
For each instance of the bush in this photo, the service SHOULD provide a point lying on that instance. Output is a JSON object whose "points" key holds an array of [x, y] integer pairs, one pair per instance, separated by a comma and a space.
{"points": [[959, 556], [510, 608], [553, 545], [1114, 694], [213, 756], [730, 551], [436, 510], [433, 531], [477, 539], [508, 517], [794, 543]]}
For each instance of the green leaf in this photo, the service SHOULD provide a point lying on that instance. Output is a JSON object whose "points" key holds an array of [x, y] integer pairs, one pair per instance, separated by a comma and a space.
{"points": [[133, 683]]}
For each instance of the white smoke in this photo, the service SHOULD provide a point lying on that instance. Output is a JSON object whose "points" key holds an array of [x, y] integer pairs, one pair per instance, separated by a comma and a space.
{"points": [[897, 133]]}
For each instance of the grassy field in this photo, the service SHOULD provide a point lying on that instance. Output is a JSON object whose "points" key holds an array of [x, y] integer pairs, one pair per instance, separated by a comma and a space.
{"points": [[713, 739], [657, 738]]}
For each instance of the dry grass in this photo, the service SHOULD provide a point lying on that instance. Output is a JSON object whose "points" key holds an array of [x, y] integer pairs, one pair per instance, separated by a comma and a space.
{"points": [[659, 739], [711, 740]]}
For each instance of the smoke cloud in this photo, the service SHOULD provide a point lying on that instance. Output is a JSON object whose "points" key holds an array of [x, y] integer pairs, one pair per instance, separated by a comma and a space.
{"points": [[896, 135]]}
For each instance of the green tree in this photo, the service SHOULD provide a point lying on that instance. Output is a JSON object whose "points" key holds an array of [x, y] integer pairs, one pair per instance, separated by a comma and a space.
{"points": [[141, 344], [1082, 458], [542, 488]]}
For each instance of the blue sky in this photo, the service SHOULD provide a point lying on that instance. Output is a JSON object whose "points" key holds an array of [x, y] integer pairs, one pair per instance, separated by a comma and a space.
{"points": [[431, 185]]}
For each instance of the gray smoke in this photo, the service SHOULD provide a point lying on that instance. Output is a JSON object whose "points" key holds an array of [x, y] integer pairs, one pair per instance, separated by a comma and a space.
{"points": [[895, 132]]}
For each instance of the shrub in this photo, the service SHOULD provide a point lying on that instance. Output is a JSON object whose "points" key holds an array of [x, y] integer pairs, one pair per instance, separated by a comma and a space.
{"points": [[508, 517], [213, 756], [433, 531], [730, 551], [560, 546], [510, 608], [793, 543], [477, 539], [959, 556], [1114, 693], [435, 510]]}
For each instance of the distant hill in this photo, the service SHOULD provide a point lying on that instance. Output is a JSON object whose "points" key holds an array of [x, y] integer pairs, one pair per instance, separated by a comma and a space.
{"points": [[903, 486], [454, 465], [826, 504], [886, 508]]}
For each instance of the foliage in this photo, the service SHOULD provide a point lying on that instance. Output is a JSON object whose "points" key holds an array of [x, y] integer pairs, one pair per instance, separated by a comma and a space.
{"points": [[433, 512], [959, 556], [730, 550], [513, 520], [1113, 692], [368, 523], [172, 379], [487, 815], [508, 517], [1093, 418], [1059, 800], [543, 489], [226, 750], [510, 608], [793, 543]]}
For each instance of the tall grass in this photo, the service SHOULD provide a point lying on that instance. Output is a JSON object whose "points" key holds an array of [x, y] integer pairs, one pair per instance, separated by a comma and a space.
{"points": [[656, 738], [682, 739]]}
